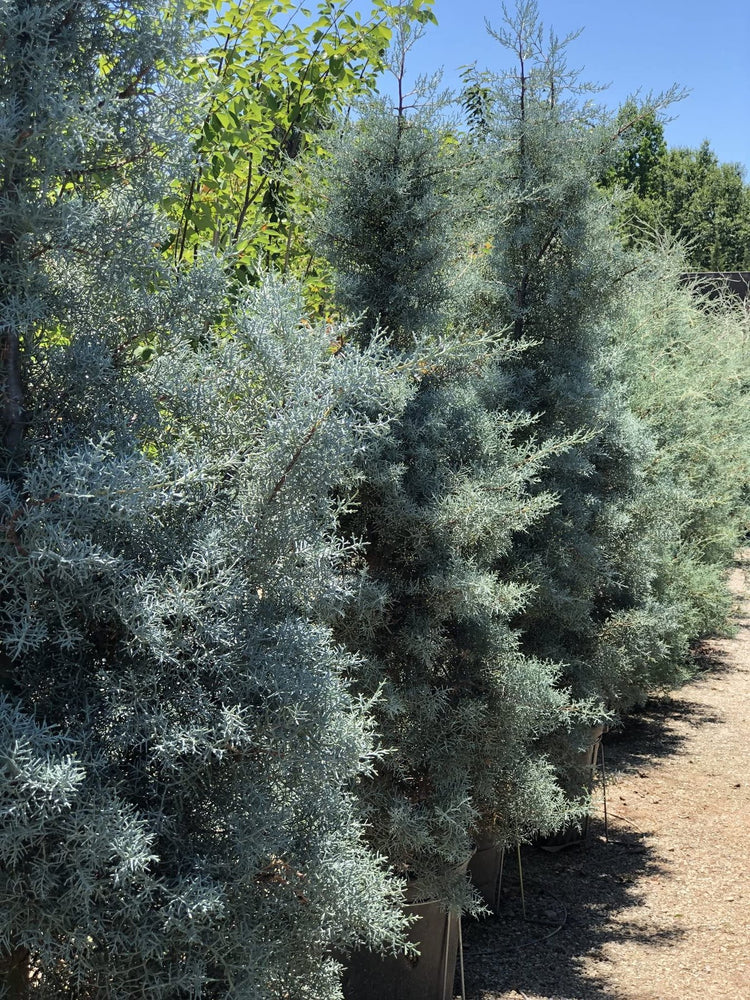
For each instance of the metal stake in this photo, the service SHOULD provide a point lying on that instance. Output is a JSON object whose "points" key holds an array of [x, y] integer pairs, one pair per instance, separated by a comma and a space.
{"points": [[461, 958], [520, 879], [604, 791]]}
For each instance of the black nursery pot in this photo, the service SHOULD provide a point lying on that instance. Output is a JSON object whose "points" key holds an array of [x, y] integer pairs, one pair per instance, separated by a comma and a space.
{"points": [[429, 976], [486, 871], [585, 767]]}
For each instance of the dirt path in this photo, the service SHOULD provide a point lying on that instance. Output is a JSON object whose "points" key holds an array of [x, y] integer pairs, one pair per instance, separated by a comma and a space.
{"points": [[660, 910]]}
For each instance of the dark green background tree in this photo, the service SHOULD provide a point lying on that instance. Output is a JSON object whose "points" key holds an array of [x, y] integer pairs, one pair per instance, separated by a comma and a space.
{"points": [[687, 193]]}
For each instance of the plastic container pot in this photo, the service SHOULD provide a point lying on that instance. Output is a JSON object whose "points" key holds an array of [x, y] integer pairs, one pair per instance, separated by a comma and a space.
{"points": [[486, 872], [428, 976]]}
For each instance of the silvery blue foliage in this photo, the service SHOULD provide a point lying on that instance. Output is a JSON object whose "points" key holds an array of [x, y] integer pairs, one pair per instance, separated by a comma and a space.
{"points": [[388, 227], [461, 706], [556, 275], [191, 796], [179, 741], [686, 362], [441, 502]]}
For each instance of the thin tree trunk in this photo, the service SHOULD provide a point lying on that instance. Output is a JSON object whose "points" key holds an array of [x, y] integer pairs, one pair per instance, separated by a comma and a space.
{"points": [[12, 413]]}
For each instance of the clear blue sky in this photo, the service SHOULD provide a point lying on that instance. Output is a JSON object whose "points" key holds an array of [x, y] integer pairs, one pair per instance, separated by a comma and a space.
{"points": [[630, 45]]}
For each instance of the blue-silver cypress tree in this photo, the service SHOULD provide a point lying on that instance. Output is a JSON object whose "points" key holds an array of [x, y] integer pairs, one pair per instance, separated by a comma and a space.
{"points": [[178, 741], [439, 504], [555, 275], [686, 360]]}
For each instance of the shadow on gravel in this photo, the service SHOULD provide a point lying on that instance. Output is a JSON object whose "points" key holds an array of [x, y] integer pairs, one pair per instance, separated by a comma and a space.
{"points": [[571, 895], [708, 659], [649, 735]]}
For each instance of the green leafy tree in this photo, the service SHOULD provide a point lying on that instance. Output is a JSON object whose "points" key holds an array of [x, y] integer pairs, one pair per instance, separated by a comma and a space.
{"points": [[178, 740], [267, 75], [687, 193], [707, 204], [636, 165]]}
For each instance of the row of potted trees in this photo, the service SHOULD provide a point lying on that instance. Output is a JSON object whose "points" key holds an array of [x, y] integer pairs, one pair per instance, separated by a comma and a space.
{"points": [[521, 526], [295, 614]]}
